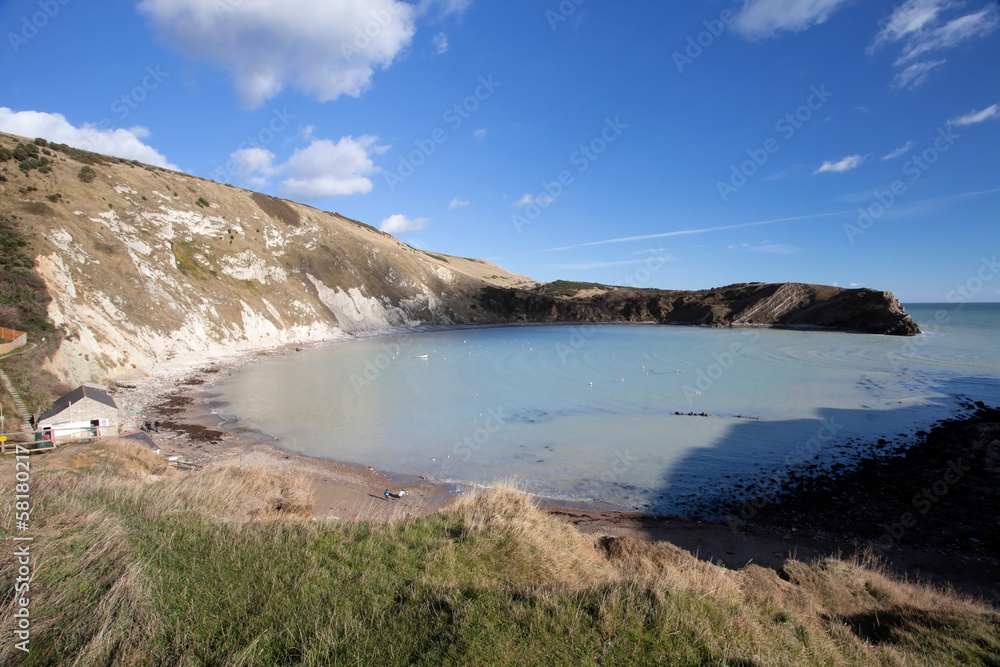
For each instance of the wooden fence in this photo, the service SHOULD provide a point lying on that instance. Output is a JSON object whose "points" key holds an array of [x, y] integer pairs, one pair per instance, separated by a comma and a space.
{"points": [[16, 338], [28, 442]]}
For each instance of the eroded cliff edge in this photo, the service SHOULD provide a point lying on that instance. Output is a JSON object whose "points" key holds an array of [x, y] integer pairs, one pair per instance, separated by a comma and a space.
{"points": [[741, 305]]}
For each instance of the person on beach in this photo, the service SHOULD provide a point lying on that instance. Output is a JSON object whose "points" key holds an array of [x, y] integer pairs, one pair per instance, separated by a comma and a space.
{"points": [[156, 426], [387, 494], [401, 494]]}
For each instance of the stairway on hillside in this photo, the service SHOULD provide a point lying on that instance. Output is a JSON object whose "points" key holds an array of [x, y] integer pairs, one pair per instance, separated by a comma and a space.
{"points": [[22, 410]]}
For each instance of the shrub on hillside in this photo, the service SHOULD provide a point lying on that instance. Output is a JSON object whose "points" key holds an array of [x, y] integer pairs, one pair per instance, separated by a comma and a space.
{"points": [[86, 174], [25, 151]]}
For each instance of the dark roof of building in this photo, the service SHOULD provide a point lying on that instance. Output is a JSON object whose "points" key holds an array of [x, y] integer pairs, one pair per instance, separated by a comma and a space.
{"points": [[77, 395]]}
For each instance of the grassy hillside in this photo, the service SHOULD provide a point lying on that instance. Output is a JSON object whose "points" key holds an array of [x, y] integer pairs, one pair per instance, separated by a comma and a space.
{"points": [[140, 265], [140, 564]]}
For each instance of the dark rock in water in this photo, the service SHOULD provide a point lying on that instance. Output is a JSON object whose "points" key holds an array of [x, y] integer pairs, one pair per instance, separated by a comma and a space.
{"points": [[791, 305]]}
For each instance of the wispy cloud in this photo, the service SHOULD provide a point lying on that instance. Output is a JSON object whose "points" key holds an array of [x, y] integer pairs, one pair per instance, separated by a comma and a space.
{"points": [[902, 150], [440, 41], [583, 266], [764, 19], [528, 199], [774, 249], [441, 9], [456, 202], [843, 164], [974, 117], [705, 230], [921, 27], [914, 75], [480, 133]]}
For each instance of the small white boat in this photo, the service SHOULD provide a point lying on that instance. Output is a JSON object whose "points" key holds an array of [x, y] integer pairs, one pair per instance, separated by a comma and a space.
{"points": [[420, 356]]}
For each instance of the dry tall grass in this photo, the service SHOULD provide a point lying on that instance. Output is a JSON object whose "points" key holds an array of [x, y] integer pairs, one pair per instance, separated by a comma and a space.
{"points": [[143, 564]]}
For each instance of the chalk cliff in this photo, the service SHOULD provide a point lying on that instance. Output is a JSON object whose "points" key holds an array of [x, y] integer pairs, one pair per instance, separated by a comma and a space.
{"points": [[140, 265]]}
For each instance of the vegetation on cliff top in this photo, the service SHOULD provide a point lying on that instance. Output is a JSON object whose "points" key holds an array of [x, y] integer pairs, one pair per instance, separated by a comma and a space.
{"points": [[146, 565]]}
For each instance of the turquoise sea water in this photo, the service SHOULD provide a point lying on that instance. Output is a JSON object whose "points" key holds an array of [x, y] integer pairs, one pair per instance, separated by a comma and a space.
{"points": [[589, 412]]}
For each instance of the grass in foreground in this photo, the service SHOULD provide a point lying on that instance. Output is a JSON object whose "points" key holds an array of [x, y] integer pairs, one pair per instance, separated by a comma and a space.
{"points": [[139, 564]]}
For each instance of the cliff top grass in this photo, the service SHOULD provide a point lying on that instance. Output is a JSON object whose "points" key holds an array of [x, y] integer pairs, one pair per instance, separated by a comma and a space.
{"points": [[137, 563]]}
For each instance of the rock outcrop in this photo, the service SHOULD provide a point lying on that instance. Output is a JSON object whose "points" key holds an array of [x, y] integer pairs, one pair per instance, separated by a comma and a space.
{"points": [[144, 265], [741, 305]]}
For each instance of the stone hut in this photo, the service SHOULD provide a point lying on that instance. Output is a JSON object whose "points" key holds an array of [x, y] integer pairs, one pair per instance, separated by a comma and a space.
{"points": [[86, 412]]}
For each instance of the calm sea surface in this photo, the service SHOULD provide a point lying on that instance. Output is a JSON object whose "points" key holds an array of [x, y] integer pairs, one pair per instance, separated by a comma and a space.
{"points": [[589, 412]]}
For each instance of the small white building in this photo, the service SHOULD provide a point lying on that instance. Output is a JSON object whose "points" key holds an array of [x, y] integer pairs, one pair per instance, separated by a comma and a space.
{"points": [[86, 412]]}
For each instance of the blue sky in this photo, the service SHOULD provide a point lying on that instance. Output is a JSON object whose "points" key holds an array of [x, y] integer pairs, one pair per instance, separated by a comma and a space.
{"points": [[661, 144]]}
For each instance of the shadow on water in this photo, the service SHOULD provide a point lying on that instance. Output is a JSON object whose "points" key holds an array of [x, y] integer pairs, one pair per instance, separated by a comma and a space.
{"points": [[705, 487], [757, 458]]}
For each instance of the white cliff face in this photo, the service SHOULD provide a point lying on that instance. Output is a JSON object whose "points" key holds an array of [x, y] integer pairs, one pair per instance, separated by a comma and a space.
{"points": [[147, 267], [356, 312]]}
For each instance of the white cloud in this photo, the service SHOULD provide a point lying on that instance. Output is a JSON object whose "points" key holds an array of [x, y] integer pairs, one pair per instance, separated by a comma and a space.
{"points": [[456, 202], [327, 169], [321, 169], [440, 43], [855, 284], [527, 199], [762, 19], [899, 151], [920, 27], [977, 116], [400, 224], [324, 49], [844, 164], [915, 74], [909, 19], [480, 133], [119, 142], [254, 164]]}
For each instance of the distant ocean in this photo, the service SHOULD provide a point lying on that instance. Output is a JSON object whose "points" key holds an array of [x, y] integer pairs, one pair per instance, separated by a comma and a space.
{"points": [[588, 412]]}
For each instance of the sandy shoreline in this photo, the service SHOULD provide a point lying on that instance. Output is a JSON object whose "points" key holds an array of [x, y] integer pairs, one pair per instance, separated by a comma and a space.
{"points": [[179, 398]]}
